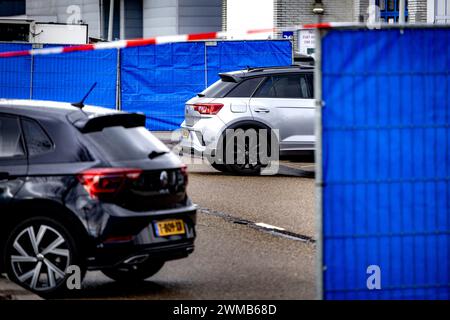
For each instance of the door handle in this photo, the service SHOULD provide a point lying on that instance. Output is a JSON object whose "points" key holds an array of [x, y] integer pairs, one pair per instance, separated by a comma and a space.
{"points": [[262, 110]]}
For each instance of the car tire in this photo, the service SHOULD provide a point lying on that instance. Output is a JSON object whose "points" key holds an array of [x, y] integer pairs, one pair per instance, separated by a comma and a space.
{"points": [[220, 167], [247, 168], [37, 254], [134, 273]]}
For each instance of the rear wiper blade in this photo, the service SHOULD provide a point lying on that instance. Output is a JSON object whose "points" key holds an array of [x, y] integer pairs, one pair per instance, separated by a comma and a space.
{"points": [[200, 95], [156, 154]]}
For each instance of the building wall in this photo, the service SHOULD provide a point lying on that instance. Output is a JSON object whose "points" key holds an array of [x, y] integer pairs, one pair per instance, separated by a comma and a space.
{"points": [[168, 17], [133, 19], [417, 11], [12, 8], [239, 20], [89, 12], [224, 15], [294, 12], [195, 16], [160, 17], [438, 11], [361, 10]]}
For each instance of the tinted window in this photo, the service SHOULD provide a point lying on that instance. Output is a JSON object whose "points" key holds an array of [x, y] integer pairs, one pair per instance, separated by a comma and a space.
{"points": [[10, 138], [37, 140], [218, 90], [287, 86], [119, 143], [245, 89]]}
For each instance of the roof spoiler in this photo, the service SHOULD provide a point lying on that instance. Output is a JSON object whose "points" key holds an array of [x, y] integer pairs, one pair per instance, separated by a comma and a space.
{"points": [[88, 124], [226, 77]]}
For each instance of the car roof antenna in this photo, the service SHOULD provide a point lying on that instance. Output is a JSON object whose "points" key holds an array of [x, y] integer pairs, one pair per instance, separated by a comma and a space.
{"points": [[80, 104]]}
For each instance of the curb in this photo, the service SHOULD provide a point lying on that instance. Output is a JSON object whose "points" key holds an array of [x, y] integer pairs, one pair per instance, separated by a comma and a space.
{"points": [[12, 291]]}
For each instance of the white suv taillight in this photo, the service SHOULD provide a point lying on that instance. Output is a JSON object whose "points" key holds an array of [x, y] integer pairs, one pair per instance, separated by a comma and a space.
{"points": [[207, 108]]}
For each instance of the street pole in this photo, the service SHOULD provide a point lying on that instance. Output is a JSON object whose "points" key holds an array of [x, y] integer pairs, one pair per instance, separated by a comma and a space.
{"points": [[111, 20], [122, 19], [319, 11], [401, 14]]}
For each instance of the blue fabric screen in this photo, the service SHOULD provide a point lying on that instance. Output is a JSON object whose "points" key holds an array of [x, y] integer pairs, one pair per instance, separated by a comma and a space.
{"points": [[68, 77], [158, 80], [386, 163], [16, 73]]}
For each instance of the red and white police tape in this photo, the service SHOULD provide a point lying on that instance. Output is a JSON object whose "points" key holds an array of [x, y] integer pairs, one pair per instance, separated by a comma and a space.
{"points": [[159, 40]]}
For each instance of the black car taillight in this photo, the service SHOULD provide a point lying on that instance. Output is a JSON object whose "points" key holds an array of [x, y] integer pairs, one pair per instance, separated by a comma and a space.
{"points": [[100, 182]]}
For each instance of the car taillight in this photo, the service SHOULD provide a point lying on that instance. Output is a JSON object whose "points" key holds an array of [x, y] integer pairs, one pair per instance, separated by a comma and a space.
{"points": [[208, 108], [184, 173], [107, 181]]}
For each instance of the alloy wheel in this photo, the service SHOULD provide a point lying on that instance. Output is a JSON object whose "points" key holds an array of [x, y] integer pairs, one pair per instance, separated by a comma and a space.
{"points": [[39, 257]]}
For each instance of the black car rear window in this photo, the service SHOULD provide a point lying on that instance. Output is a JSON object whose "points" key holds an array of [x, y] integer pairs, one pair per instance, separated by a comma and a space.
{"points": [[36, 139], [10, 138], [218, 90], [119, 144]]}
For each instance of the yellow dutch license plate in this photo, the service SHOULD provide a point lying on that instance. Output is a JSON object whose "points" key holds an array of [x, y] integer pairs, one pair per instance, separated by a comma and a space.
{"points": [[169, 228]]}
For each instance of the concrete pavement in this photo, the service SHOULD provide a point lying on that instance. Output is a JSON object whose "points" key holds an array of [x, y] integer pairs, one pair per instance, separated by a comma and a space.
{"points": [[11, 291]]}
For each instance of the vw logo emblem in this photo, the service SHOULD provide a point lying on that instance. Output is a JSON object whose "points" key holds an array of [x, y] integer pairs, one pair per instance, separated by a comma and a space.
{"points": [[164, 179]]}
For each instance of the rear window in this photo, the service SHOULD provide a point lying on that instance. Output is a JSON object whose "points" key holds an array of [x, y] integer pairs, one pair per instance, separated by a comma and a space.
{"points": [[294, 86], [119, 144], [36, 139], [218, 90], [10, 138], [245, 89]]}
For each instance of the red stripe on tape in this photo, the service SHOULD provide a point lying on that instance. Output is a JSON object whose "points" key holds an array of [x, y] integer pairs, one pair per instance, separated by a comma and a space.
{"points": [[140, 42], [261, 31], [324, 25], [14, 54], [84, 47], [202, 36]]}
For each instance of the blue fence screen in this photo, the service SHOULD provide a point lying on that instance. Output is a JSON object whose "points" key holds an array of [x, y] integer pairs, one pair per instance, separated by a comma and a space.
{"points": [[68, 77], [158, 80], [386, 164], [15, 80]]}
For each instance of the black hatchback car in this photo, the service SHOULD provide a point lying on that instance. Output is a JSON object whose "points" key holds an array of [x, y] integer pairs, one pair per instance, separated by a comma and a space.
{"points": [[87, 187]]}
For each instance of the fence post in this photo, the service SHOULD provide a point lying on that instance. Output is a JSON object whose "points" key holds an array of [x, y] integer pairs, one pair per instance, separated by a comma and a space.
{"points": [[318, 159], [31, 75], [206, 64], [118, 83]]}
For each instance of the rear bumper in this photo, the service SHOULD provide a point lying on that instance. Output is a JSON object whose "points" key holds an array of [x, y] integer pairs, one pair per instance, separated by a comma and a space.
{"points": [[112, 257], [202, 137], [123, 237]]}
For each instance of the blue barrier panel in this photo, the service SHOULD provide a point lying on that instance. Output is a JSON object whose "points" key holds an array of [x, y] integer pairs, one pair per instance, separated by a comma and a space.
{"points": [[16, 73], [237, 55], [158, 80], [67, 77], [386, 163]]}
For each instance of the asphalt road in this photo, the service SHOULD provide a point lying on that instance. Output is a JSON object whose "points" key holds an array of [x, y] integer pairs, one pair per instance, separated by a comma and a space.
{"points": [[255, 241]]}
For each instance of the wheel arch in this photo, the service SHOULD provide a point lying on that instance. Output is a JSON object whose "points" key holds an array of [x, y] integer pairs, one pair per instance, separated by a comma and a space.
{"points": [[25, 209]]}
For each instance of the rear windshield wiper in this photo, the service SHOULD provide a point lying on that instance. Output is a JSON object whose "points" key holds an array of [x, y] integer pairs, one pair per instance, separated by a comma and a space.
{"points": [[200, 95], [156, 154]]}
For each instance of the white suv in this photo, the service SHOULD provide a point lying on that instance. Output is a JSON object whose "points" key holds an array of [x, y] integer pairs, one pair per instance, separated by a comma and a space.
{"points": [[257, 98]]}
